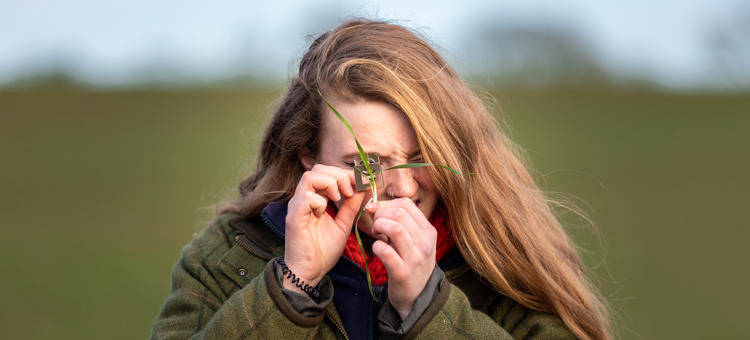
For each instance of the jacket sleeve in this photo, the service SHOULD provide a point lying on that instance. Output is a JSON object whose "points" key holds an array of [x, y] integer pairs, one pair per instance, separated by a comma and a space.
{"points": [[450, 315], [198, 307]]}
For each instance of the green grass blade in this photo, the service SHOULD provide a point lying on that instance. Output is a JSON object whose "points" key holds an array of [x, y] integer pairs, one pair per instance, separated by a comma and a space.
{"points": [[419, 165], [364, 255], [371, 179]]}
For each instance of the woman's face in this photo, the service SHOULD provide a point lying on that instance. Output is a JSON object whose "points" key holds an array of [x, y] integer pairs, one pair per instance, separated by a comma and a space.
{"points": [[380, 129]]}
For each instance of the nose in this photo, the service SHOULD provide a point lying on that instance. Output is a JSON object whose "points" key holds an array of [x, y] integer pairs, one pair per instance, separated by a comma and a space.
{"points": [[400, 183]]}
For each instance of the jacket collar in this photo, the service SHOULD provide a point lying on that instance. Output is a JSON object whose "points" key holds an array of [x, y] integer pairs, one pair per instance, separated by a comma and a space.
{"points": [[274, 214]]}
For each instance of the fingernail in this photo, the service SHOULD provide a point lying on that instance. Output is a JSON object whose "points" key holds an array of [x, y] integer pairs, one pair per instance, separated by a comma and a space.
{"points": [[370, 206]]}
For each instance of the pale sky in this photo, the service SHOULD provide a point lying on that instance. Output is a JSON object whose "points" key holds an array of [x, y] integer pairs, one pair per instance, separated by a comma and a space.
{"points": [[114, 42]]}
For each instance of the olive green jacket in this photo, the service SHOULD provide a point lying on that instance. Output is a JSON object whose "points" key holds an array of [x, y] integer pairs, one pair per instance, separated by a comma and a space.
{"points": [[224, 287]]}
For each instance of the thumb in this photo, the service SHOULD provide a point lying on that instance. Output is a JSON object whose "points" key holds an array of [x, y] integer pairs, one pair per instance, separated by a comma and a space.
{"points": [[349, 209]]}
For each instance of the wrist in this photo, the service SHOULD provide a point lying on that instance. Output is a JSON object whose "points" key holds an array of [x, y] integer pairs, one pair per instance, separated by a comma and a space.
{"points": [[288, 284], [296, 283], [402, 309], [403, 313], [299, 272]]}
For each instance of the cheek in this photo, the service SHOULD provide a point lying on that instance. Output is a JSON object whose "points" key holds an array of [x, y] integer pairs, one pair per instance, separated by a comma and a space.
{"points": [[429, 193], [425, 181]]}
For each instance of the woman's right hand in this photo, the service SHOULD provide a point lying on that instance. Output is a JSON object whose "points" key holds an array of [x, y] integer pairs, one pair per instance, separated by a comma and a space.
{"points": [[314, 240]]}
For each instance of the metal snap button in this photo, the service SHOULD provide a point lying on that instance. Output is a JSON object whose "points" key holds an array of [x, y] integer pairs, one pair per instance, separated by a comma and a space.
{"points": [[242, 271]]}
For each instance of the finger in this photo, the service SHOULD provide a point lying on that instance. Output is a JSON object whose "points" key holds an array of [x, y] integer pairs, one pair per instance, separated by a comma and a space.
{"points": [[411, 208], [401, 216], [349, 209], [391, 260], [316, 203], [319, 183], [344, 178], [372, 207], [423, 238], [399, 237]]}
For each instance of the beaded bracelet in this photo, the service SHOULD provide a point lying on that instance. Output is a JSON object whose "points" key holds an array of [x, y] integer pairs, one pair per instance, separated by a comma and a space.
{"points": [[310, 290]]}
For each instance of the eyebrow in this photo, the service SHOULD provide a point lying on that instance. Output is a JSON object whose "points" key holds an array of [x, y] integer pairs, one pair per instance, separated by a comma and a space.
{"points": [[411, 154]]}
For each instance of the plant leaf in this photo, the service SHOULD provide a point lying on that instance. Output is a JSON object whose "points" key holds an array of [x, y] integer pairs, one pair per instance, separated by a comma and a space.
{"points": [[373, 188], [419, 165], [364, 255]]}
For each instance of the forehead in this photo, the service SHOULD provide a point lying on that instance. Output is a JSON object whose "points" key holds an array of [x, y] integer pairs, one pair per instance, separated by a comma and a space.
{"points": [[379, 127]]}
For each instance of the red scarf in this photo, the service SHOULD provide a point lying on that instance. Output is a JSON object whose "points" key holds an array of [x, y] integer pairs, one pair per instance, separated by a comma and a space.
{"points": [[445, 243]]}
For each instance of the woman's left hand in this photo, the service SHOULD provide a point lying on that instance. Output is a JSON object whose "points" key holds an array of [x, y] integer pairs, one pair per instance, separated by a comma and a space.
{"points": [[409, 256]]}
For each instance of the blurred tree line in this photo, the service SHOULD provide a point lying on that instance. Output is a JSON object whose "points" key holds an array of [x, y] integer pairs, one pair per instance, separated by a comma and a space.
{"points": [[498, 50]]}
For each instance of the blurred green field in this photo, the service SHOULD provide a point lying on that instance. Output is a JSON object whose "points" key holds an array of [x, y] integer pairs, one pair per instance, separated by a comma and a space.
{"points": [[101, 190]]}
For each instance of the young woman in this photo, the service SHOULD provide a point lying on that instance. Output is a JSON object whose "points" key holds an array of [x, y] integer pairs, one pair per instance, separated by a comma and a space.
{"points": [[450, 256]]}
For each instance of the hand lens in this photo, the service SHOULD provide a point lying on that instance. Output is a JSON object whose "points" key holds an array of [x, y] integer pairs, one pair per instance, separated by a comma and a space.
{"points": [[362, 176]]}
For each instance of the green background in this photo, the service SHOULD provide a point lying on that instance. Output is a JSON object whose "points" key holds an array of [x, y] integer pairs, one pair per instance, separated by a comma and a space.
{"points": [[102, 189]]}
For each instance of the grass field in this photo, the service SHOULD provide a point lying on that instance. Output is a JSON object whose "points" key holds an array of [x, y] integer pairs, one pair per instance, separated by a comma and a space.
{"points": [[101, 190]]}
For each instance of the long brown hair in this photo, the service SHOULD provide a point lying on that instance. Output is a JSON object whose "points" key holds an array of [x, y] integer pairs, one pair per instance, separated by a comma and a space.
{"points": [[503, 224]]}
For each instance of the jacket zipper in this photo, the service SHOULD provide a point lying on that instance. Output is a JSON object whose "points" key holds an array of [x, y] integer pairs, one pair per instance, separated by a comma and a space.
{"points": [[243, 244], [338, 326]]}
